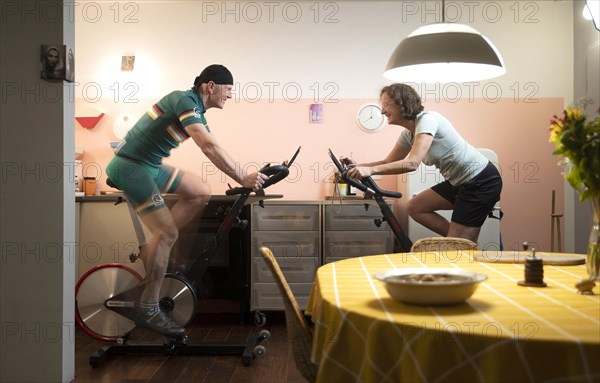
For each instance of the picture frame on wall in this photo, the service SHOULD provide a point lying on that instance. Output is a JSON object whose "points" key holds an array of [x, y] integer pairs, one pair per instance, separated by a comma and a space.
{"points": [[127, 63], [70, 68], [315, 114], [57, 62]]}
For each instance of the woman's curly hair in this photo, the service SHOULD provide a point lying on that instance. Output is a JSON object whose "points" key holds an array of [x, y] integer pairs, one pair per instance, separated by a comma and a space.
{"points": [[406, 98]]}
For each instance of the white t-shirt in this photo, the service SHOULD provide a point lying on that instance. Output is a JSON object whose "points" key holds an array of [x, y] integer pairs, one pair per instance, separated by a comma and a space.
{"points": [[456, 159]]}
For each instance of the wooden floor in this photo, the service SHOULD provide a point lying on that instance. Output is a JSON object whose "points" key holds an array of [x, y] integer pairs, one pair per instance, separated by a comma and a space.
{"points": [[276, 366]]}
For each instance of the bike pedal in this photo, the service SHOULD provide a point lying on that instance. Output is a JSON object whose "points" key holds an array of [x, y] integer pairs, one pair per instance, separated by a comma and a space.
{"points": [[133, 257]]}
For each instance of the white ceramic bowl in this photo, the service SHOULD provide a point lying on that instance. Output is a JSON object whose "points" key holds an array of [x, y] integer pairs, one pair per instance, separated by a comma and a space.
{"points": [[430, 286]]}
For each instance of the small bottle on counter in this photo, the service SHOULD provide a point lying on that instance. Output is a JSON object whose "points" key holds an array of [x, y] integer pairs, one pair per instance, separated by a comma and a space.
{"points": [[89, 185], [351, 190]]}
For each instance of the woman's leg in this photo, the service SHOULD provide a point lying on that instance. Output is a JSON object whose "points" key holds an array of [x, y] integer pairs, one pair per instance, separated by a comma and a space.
{"points": [[462, 231], [422, 208]]}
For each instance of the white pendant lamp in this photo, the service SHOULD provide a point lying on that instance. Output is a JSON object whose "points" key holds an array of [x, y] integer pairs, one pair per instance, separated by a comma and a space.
{"points": [[444, 52], [591, 11]]}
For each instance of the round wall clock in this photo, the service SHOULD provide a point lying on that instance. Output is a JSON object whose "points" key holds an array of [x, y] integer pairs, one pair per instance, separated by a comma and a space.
{"points": [[369, 118]]}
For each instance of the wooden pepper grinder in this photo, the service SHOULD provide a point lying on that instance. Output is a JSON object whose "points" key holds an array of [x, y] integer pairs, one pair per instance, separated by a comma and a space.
{"points": [[534, 270]]}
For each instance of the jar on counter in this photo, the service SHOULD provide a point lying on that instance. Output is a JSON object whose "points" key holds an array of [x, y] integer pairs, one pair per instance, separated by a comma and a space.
{"points": [[89, 185]]}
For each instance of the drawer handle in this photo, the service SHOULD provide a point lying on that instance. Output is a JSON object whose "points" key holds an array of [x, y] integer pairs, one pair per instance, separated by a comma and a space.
{"points": [[286, 217]]}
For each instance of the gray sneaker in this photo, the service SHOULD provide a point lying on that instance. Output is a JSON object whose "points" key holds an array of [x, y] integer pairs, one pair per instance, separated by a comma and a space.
{"points": [[158, 322]]}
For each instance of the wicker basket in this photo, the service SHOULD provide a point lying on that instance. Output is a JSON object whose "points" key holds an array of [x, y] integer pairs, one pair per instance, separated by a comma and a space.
{"points": [[443, 244]]}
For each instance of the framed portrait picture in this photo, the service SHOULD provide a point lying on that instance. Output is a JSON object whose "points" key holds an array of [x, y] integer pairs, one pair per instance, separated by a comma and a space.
{"points": [[57, 62], [70, 68]]}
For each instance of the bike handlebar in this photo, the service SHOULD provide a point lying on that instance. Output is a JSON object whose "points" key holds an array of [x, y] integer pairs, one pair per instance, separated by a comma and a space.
{"points": [[366, 185], [275, 173]]}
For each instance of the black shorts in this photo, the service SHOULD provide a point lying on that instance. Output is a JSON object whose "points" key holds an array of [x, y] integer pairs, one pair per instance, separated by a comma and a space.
{"points": [[474, 199]]}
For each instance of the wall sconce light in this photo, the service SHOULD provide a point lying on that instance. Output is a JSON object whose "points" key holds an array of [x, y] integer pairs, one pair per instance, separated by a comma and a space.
{"points": [[122, 125], [591, 11], [444, 52]]}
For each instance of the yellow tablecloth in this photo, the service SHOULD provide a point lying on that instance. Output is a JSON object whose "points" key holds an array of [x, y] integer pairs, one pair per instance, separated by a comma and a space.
{"points": [[503, 333]]}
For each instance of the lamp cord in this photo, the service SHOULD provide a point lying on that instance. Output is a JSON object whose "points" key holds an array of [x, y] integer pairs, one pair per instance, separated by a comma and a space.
{"points": [[443, 11]]}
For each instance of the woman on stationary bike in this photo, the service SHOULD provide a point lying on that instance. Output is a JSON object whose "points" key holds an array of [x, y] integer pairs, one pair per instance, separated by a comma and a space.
{"points": [[473, 184], [137, 169]]}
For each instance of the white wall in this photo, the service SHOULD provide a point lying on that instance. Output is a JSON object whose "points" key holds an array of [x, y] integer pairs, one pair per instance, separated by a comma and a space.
{"points": [[578, 215], [286, 49]]}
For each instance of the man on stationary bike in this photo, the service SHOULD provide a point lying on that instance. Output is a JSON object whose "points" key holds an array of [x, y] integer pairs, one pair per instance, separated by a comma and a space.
{"points": [[137, 169]]}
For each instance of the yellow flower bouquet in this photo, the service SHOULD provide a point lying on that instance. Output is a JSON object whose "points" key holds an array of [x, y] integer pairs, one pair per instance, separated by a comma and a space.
{"points": [[577, 142]]}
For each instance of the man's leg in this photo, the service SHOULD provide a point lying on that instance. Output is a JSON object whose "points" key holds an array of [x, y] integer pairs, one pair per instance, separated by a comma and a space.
{"points": [[164, 226], [193, 198], [164, 234], [140, 185], [422, 208], [157, 251]]}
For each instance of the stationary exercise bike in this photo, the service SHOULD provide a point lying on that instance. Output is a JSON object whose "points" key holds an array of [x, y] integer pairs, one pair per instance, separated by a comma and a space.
{"points": [[105, 294], [372, 191]]}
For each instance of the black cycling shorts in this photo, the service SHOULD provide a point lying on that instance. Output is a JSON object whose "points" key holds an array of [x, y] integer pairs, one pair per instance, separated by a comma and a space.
{"points": [[474, 199]]}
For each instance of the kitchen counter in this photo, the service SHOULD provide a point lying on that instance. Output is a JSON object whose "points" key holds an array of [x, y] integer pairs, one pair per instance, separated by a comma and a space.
{"points": [[113, 197]]}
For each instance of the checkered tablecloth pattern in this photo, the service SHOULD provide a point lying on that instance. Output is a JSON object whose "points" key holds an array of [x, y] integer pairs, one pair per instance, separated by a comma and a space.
{"points": [[503, 333]]}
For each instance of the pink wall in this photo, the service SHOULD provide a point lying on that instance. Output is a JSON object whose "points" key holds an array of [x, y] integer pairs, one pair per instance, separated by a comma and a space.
{"points": [[270, 131]]}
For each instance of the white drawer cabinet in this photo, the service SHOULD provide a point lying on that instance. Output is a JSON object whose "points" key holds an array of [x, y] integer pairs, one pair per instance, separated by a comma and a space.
{"points": [[353, 217], [305, 235], [350, 231], [288, 244], [276, 216], [266, 296], [349, 244], [292, 232]]}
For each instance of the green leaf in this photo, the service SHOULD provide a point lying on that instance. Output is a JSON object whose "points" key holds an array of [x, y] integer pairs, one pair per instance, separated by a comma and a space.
{"points": [[569, 140]]}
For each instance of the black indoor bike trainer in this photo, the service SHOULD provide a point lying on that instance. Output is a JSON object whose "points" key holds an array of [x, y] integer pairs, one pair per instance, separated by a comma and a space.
{"points": [[372, 191], [105, 294]]}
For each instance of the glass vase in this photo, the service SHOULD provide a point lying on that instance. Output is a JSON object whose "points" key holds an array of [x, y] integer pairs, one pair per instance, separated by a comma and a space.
{"points": [[593, 253]]}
